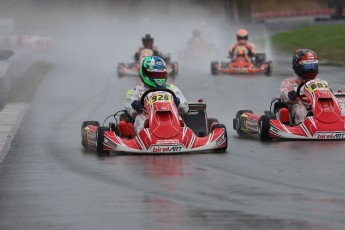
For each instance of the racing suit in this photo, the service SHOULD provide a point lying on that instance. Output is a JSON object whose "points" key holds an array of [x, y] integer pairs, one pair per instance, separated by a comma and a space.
{"points": [[250, 47], [135, 93], [298, 107]]}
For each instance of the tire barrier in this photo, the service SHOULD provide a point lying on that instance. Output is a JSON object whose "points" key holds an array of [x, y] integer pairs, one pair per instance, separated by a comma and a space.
{"points": [[292, 13]]}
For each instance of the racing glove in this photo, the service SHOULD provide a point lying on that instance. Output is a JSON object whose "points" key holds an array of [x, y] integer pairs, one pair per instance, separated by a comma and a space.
{"points": [[292, 95], [137, 106], [177, 101]]}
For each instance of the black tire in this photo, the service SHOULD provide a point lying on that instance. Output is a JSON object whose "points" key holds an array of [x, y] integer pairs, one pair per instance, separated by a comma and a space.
{"points": [[214, 70], [237, 122], [264, 128], [119, 74], [268, 70], [222, 149], [100, 140], [210, 121], [86, 123]]}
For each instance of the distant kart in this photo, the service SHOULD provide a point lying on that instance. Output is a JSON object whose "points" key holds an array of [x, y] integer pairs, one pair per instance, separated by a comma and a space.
{"points": [[164, 131], [132, 68], [325, 119], [241, 64], [200, 51]]}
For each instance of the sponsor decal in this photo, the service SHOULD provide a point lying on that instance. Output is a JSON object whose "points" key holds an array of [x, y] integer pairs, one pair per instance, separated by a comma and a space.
{"points": [[110, 144], [193, 113], [162, 148], [251, 124], [330, 135], [168, 141]]}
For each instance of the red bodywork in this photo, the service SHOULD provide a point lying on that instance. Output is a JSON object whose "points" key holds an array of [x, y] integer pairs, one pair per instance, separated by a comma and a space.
{"points": [[166, 132], [327, 121]]}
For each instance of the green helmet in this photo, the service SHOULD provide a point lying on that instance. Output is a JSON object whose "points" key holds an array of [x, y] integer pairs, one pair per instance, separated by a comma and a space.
{"points": [[153, 72]]}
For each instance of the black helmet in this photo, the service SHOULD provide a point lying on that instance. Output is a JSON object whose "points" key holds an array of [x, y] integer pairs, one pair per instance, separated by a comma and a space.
{"points": [[147, 40], [305, 64]]}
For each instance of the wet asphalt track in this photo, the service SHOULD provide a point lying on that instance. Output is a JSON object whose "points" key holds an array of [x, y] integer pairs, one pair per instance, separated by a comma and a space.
{"points": [[49, 182]]}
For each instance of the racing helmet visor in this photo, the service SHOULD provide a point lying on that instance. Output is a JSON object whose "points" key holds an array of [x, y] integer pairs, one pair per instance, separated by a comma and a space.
{"points": [[310, 66], [156, 74]]}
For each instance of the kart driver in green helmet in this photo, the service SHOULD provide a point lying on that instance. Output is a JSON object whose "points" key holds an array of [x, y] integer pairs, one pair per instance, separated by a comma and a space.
{"points": [[153, 74]]}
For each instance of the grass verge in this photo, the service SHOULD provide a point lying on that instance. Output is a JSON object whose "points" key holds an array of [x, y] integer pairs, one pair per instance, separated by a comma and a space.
{"points": [[328, 41]]}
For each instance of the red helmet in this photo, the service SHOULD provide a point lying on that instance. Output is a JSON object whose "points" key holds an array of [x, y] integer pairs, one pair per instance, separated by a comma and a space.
{"points": [[242, 34], [305, 64]]}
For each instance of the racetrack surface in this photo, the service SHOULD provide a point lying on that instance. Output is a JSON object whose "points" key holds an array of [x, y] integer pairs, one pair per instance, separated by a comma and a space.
{"points": [[49, 182]]}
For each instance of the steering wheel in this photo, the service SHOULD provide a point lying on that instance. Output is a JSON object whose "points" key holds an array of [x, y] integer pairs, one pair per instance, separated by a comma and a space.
{"points": [[299, 89], [155, 90]]}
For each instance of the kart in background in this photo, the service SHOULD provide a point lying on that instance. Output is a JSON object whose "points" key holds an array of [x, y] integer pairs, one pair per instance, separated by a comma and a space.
{"points": [[132, 68], [242, 64], [325, 119], [164, 130]]}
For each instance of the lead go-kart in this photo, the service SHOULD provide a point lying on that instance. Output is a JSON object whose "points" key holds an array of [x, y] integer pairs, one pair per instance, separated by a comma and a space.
{"points": [[164, 130], [325, 118], [242, 64], [132, 68]]}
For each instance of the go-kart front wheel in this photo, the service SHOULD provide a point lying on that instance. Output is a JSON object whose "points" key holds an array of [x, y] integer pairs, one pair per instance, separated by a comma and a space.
{"points": [[100, 140], [214, 70], [264, 128], [224, 148]]}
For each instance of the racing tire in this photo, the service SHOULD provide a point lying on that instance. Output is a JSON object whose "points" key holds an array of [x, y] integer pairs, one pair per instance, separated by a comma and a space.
{"points": [[119, 74], [84, 124], [100, 141], [268, 70], [237, 122], [210, 123], [222, 149], [264, 128], [214, 70]]}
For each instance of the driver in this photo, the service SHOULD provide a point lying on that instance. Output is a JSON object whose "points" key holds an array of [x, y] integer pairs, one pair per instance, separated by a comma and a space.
{"points": [[147, 40], [305, 65], [153, 74], [196, 40], [242, 40]]}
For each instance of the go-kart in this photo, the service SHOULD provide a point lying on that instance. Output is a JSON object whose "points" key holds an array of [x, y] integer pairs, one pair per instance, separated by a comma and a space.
{"points": [[325, 118], [164, 130], [241, 63], [132, 68]]}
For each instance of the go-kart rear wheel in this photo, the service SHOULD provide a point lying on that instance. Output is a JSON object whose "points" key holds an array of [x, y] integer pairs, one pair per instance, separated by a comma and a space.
{"points": [[264, 128], [100, 140], [174, 70], [214, 70], [83, 133], [237, 122], [119, 73], [224, 148], [268, 69]]}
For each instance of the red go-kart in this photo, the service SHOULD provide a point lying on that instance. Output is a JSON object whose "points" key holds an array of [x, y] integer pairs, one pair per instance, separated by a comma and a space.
{"points": [[242, 64], [132, 68], [325, 119], [164, 130]]}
